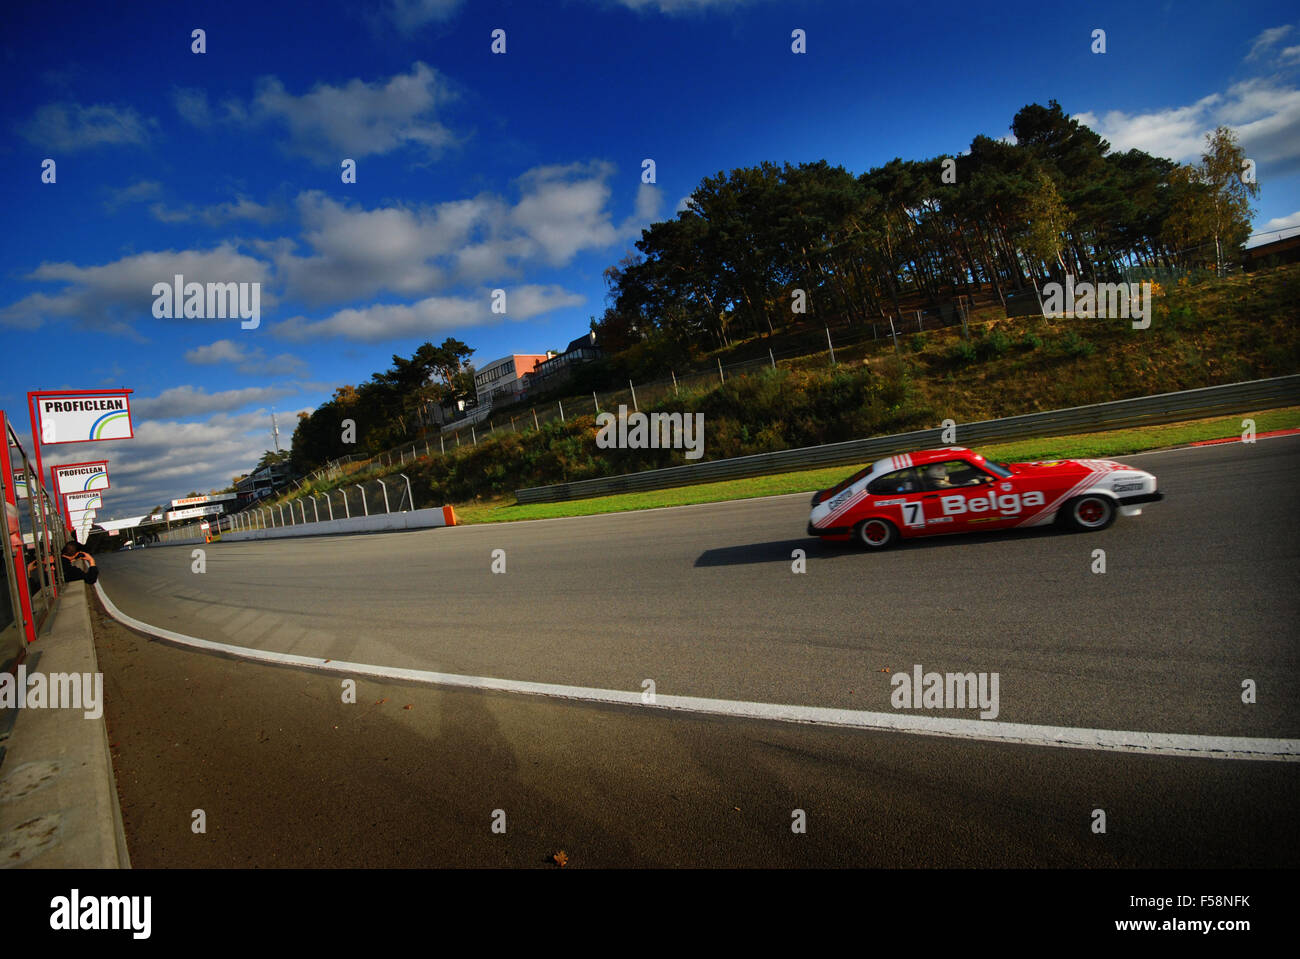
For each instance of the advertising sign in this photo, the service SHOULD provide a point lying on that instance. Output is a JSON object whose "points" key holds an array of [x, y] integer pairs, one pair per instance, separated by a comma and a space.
{"points": [[196, 500], [84, 417], [75, 477], [193, 512], [82, 501]]}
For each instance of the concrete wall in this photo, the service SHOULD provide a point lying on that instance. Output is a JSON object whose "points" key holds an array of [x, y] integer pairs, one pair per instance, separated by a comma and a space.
{"points": [[380, 522]]}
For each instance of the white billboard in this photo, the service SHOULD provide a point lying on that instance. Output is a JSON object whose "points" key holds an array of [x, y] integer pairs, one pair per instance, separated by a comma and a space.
{"points": [[84, 417], [193, 512], [196, 500], [75, 477], [81, 501]]}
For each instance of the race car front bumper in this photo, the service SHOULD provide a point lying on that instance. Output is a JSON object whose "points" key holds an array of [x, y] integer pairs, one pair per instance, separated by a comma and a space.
{"points": [[829, 530], [1140, 499]]}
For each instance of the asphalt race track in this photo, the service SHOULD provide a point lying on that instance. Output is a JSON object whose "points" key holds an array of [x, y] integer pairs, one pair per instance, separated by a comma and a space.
{"points": [[1198, 595]]}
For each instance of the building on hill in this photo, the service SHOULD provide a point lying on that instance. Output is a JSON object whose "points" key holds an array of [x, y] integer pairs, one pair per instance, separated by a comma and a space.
{"points": [[557, 368], [263, 482], [1285, 250], [504, 378]]}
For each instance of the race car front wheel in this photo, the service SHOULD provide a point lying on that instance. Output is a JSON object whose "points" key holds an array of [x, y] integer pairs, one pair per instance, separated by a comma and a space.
{"points": [[875, 533], [1089, 513]]}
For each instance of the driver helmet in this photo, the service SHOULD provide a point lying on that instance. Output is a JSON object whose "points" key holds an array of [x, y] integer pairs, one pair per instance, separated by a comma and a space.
{"points": [[936, 473]]}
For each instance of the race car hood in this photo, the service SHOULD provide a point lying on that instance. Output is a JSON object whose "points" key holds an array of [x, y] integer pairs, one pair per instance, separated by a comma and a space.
{"points": [[1118, 478]]}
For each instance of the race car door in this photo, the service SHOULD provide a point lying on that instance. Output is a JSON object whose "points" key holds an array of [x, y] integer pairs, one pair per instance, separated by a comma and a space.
{"points": [[961, 497]]}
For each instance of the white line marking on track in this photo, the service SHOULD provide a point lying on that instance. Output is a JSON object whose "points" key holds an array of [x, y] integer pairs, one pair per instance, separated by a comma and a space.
{"points": [[1156, 744]]}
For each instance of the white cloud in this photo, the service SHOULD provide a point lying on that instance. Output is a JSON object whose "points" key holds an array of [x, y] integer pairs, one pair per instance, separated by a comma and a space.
{"points": [[1283, 222], [166, 459], [408, 251], [410, 15], [184, 401], [192, 104], [218, 214], [429, 316], [135, 193], [114, 295], [649, 199], [1266, 40], [358, 119], [562, 215], [1277, 228], [1265, 116], [680, 6], [252, 361], [73, 126]]}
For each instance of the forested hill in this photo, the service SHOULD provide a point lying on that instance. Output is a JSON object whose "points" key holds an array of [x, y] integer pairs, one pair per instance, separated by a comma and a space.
{"points": [[997, 218]]}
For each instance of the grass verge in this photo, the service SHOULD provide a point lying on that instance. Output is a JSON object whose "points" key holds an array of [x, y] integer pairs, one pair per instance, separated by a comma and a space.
{"points": [[1110, 443]]}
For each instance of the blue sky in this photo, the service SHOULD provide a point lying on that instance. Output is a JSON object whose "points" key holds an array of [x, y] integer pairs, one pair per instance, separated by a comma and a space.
{"points": [[477, 171]]}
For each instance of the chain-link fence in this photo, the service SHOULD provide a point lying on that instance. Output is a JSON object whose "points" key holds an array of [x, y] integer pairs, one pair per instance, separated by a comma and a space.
{"points": [[809, 348]]}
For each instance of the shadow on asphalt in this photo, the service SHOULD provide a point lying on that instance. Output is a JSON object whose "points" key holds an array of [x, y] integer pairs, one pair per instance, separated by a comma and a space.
{"points": [[778, 551]]}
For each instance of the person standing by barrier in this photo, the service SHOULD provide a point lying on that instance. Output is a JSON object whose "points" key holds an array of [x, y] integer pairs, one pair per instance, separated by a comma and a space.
{"points": [[78, 564]]}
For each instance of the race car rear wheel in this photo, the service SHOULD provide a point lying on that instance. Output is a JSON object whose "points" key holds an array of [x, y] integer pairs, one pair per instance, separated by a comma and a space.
{"points": [[1089, 513], [875, 533]]}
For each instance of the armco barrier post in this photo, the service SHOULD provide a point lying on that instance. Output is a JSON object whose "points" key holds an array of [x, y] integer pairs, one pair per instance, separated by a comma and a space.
{"points": [[830, 345], [315, 508], [384, 486], [364, 505], [410, 498], [561, 406], [347, 513], [280, 508]]}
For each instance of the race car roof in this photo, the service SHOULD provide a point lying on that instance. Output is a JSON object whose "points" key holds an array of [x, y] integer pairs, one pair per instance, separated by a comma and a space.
{"points": [[921, 458]]}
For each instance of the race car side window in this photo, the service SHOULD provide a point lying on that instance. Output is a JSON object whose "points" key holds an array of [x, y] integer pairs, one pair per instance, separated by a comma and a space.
{"points": [[900, 481], [955, 473], [841, 486]]}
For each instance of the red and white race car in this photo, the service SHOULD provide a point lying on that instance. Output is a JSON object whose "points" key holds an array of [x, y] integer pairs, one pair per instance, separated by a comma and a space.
{"points": [[956, 491]]}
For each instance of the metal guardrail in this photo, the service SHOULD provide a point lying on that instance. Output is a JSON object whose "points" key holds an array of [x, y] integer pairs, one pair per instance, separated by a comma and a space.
{"points": [[1116, 414]]}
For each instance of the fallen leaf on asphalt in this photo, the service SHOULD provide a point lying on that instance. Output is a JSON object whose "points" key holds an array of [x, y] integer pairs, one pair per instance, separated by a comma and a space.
{"points": [[560, 858], [409, 706], [380, 702]]}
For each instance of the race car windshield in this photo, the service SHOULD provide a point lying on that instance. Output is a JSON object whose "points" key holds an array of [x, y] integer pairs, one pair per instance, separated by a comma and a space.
{"points": [[999, 469]]}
